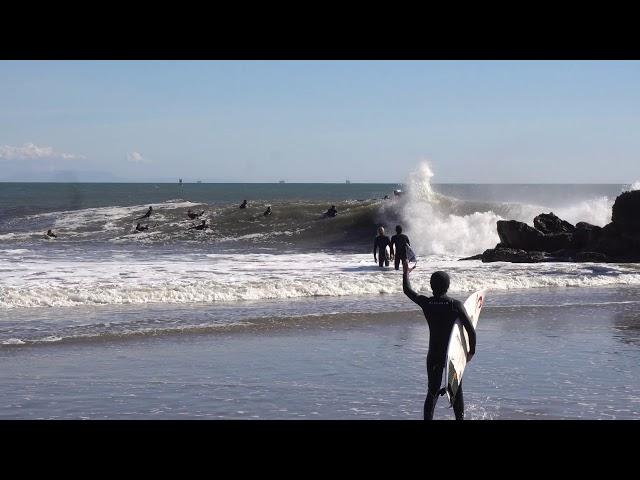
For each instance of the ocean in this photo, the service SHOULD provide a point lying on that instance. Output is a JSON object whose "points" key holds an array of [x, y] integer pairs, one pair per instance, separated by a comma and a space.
{"points": [[266, 285]]}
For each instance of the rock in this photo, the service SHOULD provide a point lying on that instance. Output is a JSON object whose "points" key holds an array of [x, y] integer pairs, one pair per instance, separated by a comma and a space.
{"points": [[475, 257], [612, 242], [518, 235], [591, 257], [586, 235], [550, 223], [626, 212], [555, 241], [562, 255], [513, 255]]}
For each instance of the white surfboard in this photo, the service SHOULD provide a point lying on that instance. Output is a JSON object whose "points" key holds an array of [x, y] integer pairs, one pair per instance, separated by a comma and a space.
{"points": [[459, 345], [411, 256], [387, 253]]}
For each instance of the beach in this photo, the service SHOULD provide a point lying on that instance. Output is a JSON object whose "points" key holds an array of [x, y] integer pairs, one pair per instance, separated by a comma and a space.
{"points": [[287, 316], [559, 354], [206, 239]]}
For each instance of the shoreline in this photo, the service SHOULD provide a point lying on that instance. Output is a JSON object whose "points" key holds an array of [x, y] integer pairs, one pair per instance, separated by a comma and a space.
{"points": [[536, 359]]}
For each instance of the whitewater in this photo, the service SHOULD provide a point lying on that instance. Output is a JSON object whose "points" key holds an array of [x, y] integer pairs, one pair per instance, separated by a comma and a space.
{"points": [[99, 258]]}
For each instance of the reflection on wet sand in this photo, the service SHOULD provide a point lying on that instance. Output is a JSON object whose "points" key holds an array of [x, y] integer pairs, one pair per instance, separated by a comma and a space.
{"points": [[627, 326]]}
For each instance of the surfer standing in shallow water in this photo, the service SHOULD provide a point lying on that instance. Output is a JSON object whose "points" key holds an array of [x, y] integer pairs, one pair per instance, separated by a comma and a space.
{"points": [[380, 244], [398, 248], [441, 312]]}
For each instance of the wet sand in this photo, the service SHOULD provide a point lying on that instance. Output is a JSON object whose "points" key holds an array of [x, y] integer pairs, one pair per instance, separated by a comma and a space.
{"points": [[545, 361]]}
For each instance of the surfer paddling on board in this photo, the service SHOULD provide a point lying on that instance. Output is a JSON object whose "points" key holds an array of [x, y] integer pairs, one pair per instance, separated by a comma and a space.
{"points": [[398, 247], [332, 212], [441, 312], [380, 244], [202, 226], [194, 215]]}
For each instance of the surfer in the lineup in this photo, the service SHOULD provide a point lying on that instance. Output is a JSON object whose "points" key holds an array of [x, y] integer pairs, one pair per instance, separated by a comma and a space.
{"points": [[380, 244], [441, 312], [398, 247], [332, 212], [51, 234], [146, 215], [243, 204], [267, 211], [140, 228], [193, 215], [202, 226]]}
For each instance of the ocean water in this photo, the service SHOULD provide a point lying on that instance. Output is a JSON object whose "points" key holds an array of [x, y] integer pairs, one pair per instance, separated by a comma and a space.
{"points": [[100, 259], [100, 280]]}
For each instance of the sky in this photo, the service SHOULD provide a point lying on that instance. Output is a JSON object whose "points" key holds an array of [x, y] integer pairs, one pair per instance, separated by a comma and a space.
{"points": [[320, 121]]}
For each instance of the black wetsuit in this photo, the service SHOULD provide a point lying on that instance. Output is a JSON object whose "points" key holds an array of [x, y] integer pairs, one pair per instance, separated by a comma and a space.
{"points": [[243, 205], [146, 215], [441, 313], [400, 241], [381, 242]]}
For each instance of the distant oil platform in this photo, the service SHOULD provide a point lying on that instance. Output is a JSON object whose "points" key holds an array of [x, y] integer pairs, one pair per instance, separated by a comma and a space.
{"points": [[348, 182]]}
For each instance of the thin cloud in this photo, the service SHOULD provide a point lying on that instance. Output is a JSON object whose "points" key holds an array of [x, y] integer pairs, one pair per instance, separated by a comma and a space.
{"points": [[136, 157], [30, 151]]}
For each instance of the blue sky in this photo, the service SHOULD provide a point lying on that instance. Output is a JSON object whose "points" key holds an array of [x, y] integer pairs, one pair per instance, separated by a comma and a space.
{"points": [[320, 121]]}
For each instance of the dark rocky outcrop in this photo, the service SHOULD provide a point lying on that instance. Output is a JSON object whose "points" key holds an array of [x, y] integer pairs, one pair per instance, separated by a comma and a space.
{"points": [[555, 240], [474, 257], [518, 235], [550, 223], [586, 234], [591, 257], [626, 212], [513, 255]]}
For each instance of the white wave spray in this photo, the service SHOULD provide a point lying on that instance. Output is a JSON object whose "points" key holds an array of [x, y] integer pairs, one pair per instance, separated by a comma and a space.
{"points": [[442, 225], [431, 226]]}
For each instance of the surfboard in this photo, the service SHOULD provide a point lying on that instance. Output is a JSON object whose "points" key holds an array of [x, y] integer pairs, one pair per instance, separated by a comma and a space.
{"points": [[411, 255], [459, 345], [387, 253]]}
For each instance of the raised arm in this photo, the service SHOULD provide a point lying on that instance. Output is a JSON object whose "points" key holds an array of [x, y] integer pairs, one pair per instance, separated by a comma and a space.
{"points": [[466, 322], [406, 287]]}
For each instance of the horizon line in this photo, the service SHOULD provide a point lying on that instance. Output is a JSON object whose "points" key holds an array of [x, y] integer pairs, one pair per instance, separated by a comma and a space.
{"points": [[320, 183]]}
